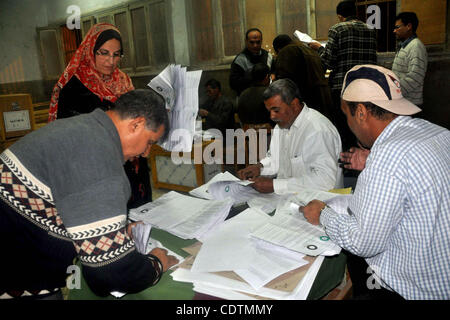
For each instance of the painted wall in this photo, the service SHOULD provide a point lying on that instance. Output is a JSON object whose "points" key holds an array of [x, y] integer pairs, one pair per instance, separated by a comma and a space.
{"points": [[19, 57], [19, 48]]}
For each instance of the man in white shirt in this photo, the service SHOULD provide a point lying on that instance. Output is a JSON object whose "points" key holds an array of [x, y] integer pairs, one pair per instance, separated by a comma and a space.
{"points": [[304, 149]]}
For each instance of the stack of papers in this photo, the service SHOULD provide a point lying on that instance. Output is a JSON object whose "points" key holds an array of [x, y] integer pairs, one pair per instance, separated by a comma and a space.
{"points": [[303, 36], [180, 91], [306, 38], [288, 228], [230, 265], [224, 185], [184, 216]]}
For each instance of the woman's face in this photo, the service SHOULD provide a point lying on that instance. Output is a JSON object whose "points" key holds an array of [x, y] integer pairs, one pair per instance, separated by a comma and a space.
{"points": [[107, 57]]}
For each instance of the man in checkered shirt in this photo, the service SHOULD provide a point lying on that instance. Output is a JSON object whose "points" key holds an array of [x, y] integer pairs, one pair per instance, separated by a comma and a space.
{"points": [[399, 215], [350, 42]]}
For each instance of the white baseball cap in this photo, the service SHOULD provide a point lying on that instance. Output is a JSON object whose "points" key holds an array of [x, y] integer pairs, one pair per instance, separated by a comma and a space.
{"points": [[376, 84]]}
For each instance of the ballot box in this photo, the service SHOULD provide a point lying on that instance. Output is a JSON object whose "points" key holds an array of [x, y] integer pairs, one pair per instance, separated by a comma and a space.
{"points": [[180, 171], [16, 118]]}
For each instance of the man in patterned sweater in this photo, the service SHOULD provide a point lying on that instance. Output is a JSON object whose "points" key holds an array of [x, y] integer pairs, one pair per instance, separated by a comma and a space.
{"points": [[63, 195], [410, 62], [350, 42]]}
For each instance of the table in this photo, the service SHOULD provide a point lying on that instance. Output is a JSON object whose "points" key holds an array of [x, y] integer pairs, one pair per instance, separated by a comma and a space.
{"points": [[329, 276]]}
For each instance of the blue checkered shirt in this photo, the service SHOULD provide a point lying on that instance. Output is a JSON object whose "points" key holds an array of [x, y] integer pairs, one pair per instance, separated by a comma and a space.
{"points": [[399, 215]]}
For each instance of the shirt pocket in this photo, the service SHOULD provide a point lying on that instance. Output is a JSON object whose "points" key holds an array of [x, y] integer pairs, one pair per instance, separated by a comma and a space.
{"points": [[297, 166]]}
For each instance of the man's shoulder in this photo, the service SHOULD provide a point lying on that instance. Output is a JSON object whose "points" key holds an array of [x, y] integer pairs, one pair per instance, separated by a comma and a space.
{"points": [[417, 43], [353, 24]]}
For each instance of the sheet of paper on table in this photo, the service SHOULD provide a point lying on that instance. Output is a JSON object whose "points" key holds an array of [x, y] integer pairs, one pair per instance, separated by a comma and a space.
{"points": [[184, 216], [231, 248], [294, 284]]}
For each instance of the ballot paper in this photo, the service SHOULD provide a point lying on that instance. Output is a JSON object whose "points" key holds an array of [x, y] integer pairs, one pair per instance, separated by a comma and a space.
{"points": [[231, 248], [288, 227], [179, 89], [294, 284], [141, 234], [239, 191], [303, 36], [184, 216], [202, 191]]}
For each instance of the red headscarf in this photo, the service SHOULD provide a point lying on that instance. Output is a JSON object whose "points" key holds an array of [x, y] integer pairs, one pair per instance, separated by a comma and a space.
{"points": [[82, 65]]}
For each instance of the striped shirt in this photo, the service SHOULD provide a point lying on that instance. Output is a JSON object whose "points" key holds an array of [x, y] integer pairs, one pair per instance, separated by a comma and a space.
{"points": [[399, 215], [350, 43], [410, 65]]}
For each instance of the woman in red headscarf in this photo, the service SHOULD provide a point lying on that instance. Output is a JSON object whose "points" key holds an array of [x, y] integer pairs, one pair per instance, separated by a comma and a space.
{"points": [[93, 80]]}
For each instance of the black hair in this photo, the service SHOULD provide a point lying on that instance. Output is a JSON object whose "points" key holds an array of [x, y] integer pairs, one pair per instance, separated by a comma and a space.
{"points": [[375, 111], [251, 30], [145, 103], [285, 88], [213, 83], [408, 17], [346, 8], [259, 72], [108, 35], [281, 41]]}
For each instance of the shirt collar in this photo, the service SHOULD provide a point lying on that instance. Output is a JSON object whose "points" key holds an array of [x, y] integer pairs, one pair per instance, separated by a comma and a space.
{"points": [[390, 128], [407, 41], [298, 121]]}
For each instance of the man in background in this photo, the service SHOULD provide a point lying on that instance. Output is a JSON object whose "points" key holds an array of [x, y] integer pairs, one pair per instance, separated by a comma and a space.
{"points": [[218, 110], [240, 71], [350, 42], [410, 62], [302, 65]]}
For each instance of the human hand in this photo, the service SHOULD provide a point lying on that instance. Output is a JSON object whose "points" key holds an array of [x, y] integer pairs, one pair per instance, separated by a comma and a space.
{"points": [[262, 184], [250, 172], [312, 211], [203, 112], [166, 260], [314, 45], [355, 158]]}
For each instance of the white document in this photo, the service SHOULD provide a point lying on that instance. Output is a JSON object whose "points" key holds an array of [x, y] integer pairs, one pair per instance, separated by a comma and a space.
{"points": [[239, 191], [163, 84], [184, 216], [288, 228], [202, 191], [180, 91], [231, 248], [302, 36], [141, 234]]}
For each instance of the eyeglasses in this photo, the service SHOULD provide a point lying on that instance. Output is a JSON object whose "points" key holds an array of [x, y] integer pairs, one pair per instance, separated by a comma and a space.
{"points": [[398, 26], [105, 54]]}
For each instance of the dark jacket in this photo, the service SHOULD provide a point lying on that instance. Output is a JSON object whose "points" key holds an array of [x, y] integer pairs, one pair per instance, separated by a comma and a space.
{"points": [[240, 71], [302, 65]]}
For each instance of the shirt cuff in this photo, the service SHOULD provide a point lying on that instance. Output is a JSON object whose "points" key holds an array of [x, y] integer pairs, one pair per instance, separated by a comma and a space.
{"points": [[280, 186], [265, 162], [326, 216]]}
